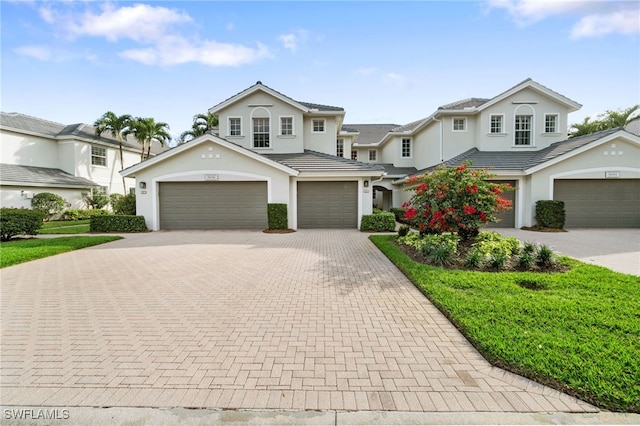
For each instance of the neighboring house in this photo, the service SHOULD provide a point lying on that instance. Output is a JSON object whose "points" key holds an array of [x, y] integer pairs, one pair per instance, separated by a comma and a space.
{"points": [[520, 135], [38, 155]]}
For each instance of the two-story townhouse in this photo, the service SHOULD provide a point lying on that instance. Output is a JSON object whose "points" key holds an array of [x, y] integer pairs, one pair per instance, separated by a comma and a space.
{"points": [[38, 155], [521, 136], [269, 149]]}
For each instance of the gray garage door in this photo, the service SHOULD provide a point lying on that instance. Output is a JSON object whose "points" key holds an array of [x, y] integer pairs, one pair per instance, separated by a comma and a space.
{"points": [[607, 203], [508, 218], [213, 205], [327, 204]]}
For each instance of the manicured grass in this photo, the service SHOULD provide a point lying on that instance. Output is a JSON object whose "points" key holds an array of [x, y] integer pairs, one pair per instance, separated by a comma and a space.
{"points": [[65, 227], [577, 331], [19, 251]]}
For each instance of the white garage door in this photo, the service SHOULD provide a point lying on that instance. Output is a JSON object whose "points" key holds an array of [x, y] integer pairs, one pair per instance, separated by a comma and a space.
{"points": [[328, 204], [607, 203], [213, 205]]}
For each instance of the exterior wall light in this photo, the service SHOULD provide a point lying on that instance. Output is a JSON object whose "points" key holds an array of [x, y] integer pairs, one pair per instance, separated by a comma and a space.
{"points": [[143, 185], [366, 183]]}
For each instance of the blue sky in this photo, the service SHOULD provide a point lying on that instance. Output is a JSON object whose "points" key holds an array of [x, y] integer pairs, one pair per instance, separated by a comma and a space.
{"points": [[384, 62]]}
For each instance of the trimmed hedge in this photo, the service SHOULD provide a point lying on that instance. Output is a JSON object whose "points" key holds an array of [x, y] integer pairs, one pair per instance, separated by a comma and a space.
{"points": [[550, 214], [15, 222], [117, 223], [381, 222], [277, 216], [74, 214]]}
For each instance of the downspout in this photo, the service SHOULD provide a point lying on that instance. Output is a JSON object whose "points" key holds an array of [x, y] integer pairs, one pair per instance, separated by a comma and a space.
{"points": [[441, 139]]}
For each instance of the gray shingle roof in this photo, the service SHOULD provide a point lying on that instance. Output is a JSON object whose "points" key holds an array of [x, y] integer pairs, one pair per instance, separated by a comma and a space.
{"points": [[465, 103], [370, 133], [313, 161], [57, 130], [41, 175], [409, 126], [393, 171], [521, 160], [321, 107]]}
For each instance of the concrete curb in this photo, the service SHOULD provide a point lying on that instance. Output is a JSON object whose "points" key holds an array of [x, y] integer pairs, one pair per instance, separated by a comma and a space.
{"points": [[182, 416]]}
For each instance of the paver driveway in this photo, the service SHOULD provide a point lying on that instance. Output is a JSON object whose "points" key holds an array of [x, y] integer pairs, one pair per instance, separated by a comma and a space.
{"points": [[308, 320]]}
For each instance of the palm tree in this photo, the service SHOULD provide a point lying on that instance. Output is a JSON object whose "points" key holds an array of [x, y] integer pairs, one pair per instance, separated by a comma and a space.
{"points": [[202, 123], [116, 125], [586, 127], [622, 118], [146, 131]]}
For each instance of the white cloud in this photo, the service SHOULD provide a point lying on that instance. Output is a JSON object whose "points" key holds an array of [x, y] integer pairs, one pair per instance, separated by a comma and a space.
{"points": [[294, 40], [40, 53], [595, 18], [154, 29], [397, 79], [366, 71], [627, 22], [289, 41]]}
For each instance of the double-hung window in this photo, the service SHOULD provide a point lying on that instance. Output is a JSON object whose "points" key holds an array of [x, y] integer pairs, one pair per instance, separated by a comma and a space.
{"points": [[318, 126], [340, 147], [373, 155], [286, 126], [496, 124], [98, 156], [523, 130], [261, 133], [459, 124], [551, 123], [406, 148], [235, 126], [354, 154]]}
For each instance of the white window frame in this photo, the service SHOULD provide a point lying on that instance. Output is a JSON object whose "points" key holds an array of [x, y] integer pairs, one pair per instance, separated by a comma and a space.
{"points": [[253, 132], [293, 129], [491, 132], [313, 125], [516, 130], [95, 156], [373, 155], [557, 123], [229, 133], [354, 154], [340, 147], [409, 148], [453, 124]]}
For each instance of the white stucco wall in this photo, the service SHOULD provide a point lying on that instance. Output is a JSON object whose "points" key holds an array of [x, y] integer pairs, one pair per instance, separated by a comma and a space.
{"points": [[198, 164], [592, 164], [527, 101], [28, 150], [20, 196], [322, 142]]}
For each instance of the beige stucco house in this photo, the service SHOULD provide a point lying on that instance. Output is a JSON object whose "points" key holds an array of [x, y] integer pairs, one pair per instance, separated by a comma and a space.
{"points": [[38, 155]]}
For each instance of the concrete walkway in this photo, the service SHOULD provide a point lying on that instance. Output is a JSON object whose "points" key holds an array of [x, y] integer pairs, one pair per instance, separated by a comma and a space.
{"points": [[615, 248], [313, 320]]}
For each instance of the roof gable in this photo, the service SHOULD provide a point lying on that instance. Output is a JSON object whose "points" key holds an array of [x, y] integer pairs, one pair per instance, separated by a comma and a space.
{"points": [[305, 107], [207, 137], [529, 83]]}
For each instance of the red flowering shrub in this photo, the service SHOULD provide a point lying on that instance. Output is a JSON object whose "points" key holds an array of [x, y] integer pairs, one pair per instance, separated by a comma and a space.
{"points": [[458, 200]]}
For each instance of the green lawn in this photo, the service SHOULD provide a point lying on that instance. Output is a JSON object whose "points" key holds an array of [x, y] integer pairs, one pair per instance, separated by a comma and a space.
{"points": [[19, 251], [578, 331], [65, 227]]}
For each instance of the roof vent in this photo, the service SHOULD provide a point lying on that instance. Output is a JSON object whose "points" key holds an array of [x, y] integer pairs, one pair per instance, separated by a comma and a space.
{"points": [[258, 82]]}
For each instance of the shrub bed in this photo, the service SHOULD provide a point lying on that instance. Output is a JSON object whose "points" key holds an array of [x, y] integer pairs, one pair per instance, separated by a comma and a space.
{"points": [[379, 222], [117, 223], [74, 214], [550, 214], [277, 216]]}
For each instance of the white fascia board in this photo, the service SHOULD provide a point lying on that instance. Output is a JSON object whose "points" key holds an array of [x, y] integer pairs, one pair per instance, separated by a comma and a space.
{"points": [[624, 135], [341, 174], [130, 171], [253, 89], [44, 185], [572, 105]]}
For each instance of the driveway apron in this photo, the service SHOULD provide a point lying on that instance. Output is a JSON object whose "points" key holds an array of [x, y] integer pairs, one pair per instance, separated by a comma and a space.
{"points": [[312, 320]]}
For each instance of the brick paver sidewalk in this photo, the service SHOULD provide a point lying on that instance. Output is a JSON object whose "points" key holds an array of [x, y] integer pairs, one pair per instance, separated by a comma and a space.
{"points": [[316, 320]]}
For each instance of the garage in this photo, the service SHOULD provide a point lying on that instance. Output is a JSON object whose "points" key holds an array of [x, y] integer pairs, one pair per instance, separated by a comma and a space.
{"points": [[213, 205], [328, 204], [506, 219], [606, 203]]}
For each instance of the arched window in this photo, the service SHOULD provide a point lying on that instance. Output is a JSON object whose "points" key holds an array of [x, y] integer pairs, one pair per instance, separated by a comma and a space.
{"points": [[261, 128], [523, 126]]}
